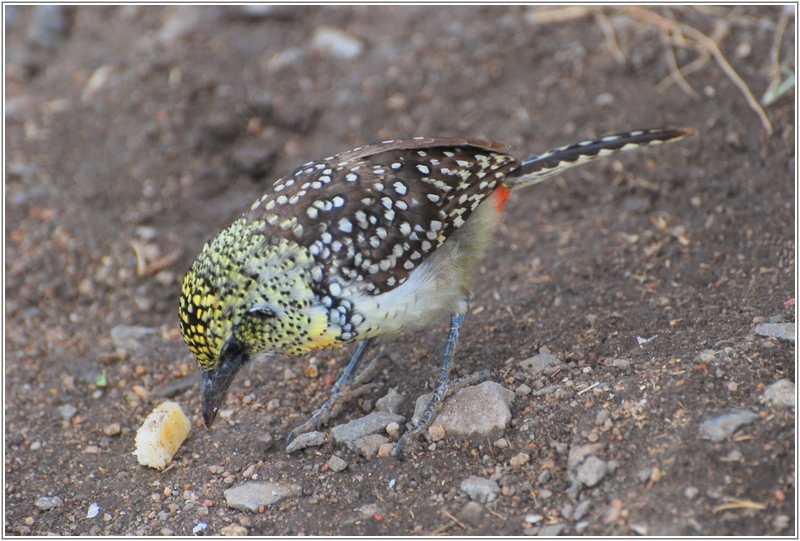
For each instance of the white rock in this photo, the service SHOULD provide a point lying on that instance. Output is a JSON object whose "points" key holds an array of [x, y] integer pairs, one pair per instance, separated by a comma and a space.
{"points": [[333, 42]]}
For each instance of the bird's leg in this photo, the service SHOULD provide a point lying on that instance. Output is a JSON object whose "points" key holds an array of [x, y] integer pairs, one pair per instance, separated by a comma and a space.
{"points": [[350, 385], [444, 387]]}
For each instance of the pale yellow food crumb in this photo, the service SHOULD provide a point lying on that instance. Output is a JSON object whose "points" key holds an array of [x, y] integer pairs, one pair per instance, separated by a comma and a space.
{"points": [[162, 433]]}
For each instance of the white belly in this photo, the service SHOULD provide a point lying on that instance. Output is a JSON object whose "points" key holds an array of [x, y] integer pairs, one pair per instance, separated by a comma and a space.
{"points": [[437, 287]]}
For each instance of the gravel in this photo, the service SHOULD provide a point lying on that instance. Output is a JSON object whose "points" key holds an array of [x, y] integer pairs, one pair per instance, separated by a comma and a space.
{"points": [[480, 489], [303, 441], [782, 331], [543, 363], [251, 495], [780, 393], [373, 423], [719, 428]]}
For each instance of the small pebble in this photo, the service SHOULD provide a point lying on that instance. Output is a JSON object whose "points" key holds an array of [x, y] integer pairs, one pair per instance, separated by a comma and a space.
{"points": [[552, 530], [544, 477], [520, 459], [622, 364], [543, 363], [251, 495], [114, 429], [336, 464], [534, 518], [480, 489], [592, 471], [335, 43], [93, 511], [722, 426], [780, 522], [46, 503], [385, 450], [233, 530], [690, 492], [581, 509], [369, 445], [67, 411], [390, 402], [781, 331], [472, 513], [303, 441], [437, 432], [373, 423], [734, 455], [780, 393], [393, 429]]}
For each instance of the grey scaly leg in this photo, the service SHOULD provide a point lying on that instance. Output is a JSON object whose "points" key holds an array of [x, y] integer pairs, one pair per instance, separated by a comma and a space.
{"points": [[340, 393], [444, 387]]}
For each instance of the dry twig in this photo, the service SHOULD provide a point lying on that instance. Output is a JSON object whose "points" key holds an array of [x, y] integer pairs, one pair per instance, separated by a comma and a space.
{"points": [[708, 47]]}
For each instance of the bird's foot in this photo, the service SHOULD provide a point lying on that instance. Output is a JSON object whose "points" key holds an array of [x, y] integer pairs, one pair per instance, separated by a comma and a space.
{"points": [[348, 390], [435, 404]]}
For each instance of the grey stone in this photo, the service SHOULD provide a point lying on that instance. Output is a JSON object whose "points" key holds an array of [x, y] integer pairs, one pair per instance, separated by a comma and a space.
{"points": [[375, 422], [780, 393], [336, 464], [781, 331], [541, 363], [365, 512], [472, 513], [552, 530], [369, 445], [534, 518], [335, 43], [46, 503], [547, 389], [592, 471], [251, 495], [523, 390], [477, 413], [578, 454], [545, 476], [643, 475], [622, 364], [67, 411], [391, 402], [722, 426], [581, 509], [480, 489], [309, 439]]}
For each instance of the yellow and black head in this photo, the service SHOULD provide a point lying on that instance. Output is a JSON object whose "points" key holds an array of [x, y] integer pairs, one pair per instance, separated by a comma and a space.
{"points": [[247, 298]]}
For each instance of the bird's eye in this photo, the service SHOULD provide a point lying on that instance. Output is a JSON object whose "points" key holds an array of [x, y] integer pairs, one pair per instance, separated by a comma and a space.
{"points": [[263, 312]]}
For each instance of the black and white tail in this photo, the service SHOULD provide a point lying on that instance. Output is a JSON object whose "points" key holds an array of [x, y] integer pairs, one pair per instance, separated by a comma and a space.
{"points": [[553, 162]]}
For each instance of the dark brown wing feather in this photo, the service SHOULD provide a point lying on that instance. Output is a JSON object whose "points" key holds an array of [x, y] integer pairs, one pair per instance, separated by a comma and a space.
{"points": [[374, 213]]}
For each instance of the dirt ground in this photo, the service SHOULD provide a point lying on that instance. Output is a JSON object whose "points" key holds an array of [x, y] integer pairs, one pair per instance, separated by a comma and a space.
{"points": [[134, 134]]}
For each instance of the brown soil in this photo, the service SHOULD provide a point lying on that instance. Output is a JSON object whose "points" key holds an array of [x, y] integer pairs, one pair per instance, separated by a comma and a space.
{"points": [[692, 243]]}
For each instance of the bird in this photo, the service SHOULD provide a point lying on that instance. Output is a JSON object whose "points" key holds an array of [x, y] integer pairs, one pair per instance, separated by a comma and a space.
{"points": [[372, 242]]}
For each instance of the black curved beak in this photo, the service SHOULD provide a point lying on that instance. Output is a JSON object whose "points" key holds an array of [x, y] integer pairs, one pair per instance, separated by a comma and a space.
{"points": [[217, 382]]}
